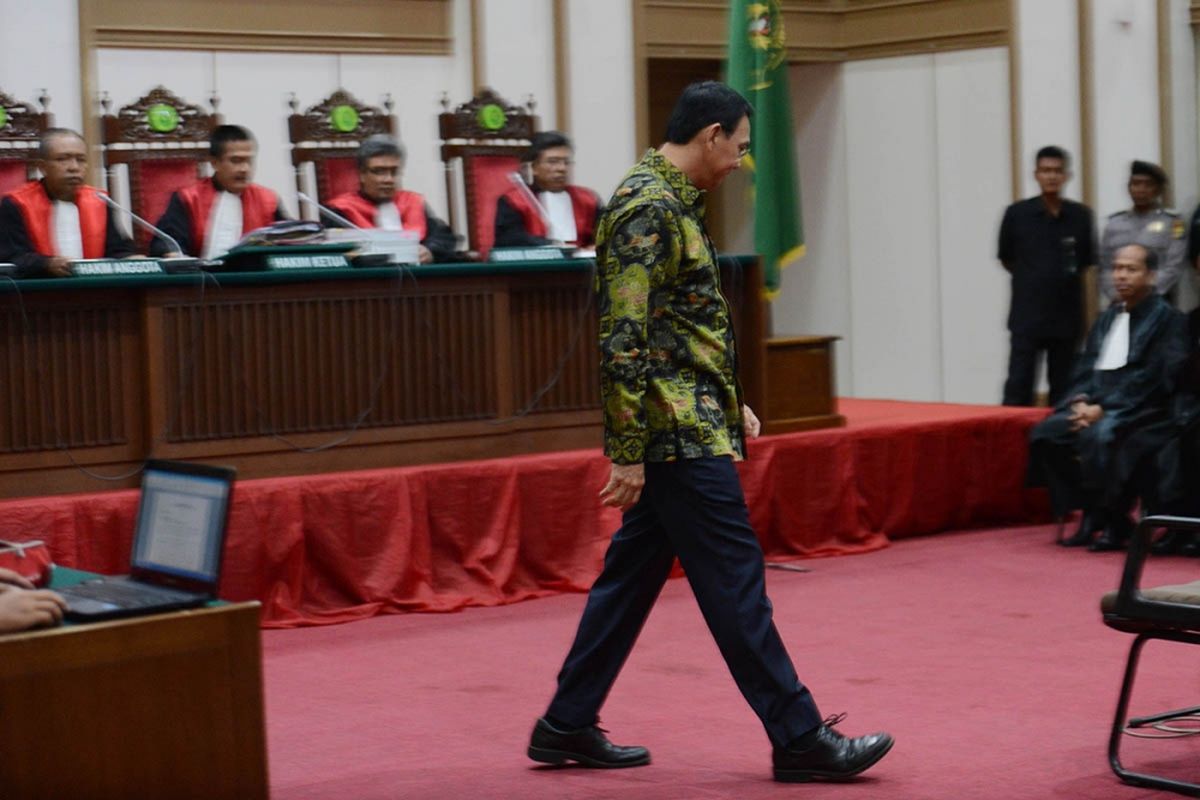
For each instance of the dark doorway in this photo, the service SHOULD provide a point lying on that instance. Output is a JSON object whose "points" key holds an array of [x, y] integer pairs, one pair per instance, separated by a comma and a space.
{"points": [[667, 78]]}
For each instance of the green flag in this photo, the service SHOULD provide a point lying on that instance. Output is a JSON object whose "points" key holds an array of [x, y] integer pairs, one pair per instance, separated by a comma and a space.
{"points": [[757, 68]]}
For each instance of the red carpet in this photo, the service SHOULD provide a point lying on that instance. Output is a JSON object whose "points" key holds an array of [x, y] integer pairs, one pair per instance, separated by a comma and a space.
{"points": [[983, 652], [339, 547]]}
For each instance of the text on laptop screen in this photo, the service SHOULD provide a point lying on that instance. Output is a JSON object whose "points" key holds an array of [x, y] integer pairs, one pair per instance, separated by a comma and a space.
{"points": [[179, 524]]}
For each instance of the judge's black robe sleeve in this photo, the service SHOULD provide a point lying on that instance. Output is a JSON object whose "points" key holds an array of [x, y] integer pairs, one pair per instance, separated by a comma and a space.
{"points": [[439, 238], [510, 228], [116, 243], [15, 246], [178, 225]]}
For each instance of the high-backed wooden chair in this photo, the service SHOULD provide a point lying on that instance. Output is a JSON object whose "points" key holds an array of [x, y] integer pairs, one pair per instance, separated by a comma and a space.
{"points": [[485, 139], [327, 135], [162, 141], [21, 128]]}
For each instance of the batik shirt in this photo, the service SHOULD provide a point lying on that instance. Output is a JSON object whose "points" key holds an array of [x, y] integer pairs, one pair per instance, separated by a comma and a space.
{"points": [[668, 365]]}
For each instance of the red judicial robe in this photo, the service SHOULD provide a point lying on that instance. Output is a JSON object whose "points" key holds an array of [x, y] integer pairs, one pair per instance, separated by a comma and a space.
{"points": [[361, 210], [36, 206], [259, 207], [583, 201]]}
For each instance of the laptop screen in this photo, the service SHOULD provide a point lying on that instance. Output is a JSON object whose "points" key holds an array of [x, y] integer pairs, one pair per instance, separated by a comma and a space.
{"points": [[180, 524]]}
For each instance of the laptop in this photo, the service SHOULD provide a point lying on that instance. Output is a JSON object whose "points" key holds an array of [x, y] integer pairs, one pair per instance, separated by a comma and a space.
{"points": [[177, 546]]}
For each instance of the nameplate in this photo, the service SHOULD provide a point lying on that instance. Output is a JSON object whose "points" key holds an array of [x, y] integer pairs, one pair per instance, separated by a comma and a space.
{"points": [[527, 254], [310, 261], [133, 266]]}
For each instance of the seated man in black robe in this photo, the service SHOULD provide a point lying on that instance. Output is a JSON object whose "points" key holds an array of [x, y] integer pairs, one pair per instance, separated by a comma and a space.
{"points": [[1096, 452]]}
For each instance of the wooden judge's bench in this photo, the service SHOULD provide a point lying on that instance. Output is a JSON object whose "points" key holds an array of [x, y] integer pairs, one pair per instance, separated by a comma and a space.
{"points": [[288, 372]]}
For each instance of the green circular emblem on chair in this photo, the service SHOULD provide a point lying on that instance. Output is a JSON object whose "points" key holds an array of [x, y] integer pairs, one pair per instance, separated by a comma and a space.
{"points": [[344, 119], [492, 117], [162, 118], [3, 116]]}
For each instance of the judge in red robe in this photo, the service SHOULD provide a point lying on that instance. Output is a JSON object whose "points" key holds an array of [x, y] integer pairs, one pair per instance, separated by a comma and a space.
{"points": [[381, 203], [551, 210], [47, 224], [209, 217]]}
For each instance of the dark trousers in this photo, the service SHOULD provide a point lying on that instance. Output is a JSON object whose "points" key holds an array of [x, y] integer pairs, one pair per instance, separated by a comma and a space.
{"points": [[1022, 368], [693, 509], [1075, 466], [1103, 470]]}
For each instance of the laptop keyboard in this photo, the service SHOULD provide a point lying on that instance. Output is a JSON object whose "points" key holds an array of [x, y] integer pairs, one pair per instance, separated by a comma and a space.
{"points": [[127, 595]]}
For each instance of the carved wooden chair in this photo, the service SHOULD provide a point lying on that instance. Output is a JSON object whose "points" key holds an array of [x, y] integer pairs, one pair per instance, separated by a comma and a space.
{"points": [[21, 129], [327, 136], [162, 142], [484, 139]]}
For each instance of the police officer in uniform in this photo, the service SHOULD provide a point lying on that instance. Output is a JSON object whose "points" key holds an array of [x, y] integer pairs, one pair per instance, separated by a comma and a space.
{"points": [[1147, 224]]}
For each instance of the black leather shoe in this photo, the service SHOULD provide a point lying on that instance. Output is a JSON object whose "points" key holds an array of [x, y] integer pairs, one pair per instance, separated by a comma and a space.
{"points": [[1083, 534], [1170, 543], [587, 746], [826, 755], [1115, 536]]}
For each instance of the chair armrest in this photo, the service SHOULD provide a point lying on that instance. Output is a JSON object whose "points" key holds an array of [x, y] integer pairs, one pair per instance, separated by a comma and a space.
{"points": [[1139, 550]]}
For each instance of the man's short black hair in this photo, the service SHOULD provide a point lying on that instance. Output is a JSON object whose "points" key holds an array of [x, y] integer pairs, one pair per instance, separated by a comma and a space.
{"points": [[1151, 258], [223, 135], [1055, 152], [546, 140], [703, 103], [49, 135]]}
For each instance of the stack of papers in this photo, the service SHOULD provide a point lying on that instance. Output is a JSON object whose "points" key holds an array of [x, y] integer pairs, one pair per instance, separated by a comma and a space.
{"points": [[287, 232]]}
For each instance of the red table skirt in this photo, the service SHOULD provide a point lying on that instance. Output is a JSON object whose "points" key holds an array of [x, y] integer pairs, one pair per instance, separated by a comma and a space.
{"points": [[337, 547]]}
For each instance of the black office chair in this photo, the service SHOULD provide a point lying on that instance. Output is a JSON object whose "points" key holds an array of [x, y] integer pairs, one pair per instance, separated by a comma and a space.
{"points": [[1171, 613]]}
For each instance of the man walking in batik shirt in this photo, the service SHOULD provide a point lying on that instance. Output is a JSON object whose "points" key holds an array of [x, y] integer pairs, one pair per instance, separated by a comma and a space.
{"points": [[674, 424]]}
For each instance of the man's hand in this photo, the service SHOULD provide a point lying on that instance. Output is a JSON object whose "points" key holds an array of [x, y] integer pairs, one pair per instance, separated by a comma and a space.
{"points": [[59, 266], [624, 486], [426, 256], [750, 422], [8, 579], [1084, 415], [21, 609]]}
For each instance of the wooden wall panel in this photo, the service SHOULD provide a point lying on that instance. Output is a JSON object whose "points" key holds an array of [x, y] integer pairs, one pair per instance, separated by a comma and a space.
{"points": [[65, 371], [554, 340], [363, 26], [830, 30], [284, 366]]}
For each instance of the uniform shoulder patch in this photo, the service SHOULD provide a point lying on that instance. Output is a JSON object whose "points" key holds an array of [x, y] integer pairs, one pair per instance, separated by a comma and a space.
{"points": [[1178, 228]]}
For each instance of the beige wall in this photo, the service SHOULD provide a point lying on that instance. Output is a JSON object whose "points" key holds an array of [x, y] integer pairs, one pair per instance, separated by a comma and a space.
{"points": [[39, 49]]}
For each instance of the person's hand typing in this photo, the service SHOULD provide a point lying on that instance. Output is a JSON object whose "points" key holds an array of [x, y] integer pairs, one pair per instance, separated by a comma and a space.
{"points": [[21, 609], [8, 579]]}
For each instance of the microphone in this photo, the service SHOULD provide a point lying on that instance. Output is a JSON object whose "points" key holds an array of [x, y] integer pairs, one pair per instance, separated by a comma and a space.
{"points": [[333, 215], [520, 183], [159, 232]]}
